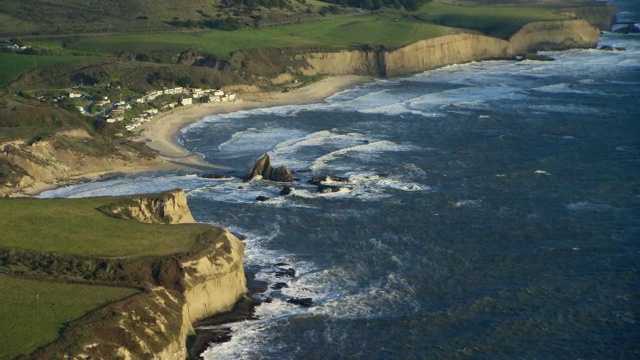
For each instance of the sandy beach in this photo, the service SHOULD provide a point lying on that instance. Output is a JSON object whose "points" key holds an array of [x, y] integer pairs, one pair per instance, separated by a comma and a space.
{"points": [[160, 133]]}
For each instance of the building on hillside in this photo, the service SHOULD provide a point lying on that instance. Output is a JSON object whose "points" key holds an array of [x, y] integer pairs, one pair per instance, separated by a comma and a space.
{"points": [[186, 101]]}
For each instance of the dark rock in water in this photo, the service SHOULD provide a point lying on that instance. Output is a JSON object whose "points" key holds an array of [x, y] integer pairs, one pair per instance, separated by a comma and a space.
{"points": [[612, 48], [285, 272], [281, 174], [216, 176], [304, 302], [286, 190], [279, 285], [629, 29], [264, 169], [317, 180], [262, 198], [537, 57], [325, 189]]}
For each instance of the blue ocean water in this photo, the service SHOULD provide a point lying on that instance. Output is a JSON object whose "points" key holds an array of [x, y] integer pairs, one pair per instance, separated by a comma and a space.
{"points": [[493, 211]]}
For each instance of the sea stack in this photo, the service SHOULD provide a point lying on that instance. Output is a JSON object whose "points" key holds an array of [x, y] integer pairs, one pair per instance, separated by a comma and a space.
{"points": [[263, 168]]}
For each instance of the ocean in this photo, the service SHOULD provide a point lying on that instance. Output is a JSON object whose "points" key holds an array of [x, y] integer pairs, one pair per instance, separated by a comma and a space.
{"points": [[492, 211]]}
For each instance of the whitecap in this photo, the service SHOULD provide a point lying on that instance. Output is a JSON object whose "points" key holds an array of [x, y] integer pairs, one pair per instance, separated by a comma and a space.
{"points": [[468, 203], [589, 206], [370, 148], [541, 172]]}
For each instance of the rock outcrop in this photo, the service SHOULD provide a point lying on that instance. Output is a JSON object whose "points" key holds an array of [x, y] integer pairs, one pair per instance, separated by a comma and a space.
{"points": [[554, 35], [263, 169], [169, 207]]}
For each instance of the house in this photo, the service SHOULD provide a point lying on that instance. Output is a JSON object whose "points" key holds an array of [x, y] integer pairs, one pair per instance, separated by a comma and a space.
{"points": [[177, 90], [116, 112], [186, 101], [74, 95], [218, 93]]}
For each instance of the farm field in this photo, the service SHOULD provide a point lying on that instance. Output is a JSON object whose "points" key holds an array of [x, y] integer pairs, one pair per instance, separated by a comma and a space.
{"points": [[498, 21], [32, 313], [75, 227], [383, 29]]}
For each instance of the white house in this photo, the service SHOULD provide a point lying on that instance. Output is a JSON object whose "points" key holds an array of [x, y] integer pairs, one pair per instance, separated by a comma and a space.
{"points": [[186, 101]]}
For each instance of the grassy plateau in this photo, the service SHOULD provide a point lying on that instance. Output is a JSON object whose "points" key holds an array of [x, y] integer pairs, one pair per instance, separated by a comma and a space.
{"points": [[75, 227], [32, 313], [382, 29]]}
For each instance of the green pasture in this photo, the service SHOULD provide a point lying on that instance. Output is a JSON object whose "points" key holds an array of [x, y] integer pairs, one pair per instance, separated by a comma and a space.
{"points": [[74, 226], [32, 313], [14, 65], [499, 21], [384, 29]]}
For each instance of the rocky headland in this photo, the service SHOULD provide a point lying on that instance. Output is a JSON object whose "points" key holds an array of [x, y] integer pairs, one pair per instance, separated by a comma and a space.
{"points": [[177, 289]]}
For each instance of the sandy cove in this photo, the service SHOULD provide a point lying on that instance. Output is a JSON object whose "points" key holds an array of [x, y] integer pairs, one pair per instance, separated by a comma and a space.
{"points": [[160, 133]]}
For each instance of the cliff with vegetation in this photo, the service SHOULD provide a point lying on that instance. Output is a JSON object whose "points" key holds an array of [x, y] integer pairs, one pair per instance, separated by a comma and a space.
{"points": [[62, 155], [447, 50], [177, 288]]}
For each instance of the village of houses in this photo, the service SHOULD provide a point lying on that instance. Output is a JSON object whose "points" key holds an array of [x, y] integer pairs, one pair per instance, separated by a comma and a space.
{"points": [[125, 110]]}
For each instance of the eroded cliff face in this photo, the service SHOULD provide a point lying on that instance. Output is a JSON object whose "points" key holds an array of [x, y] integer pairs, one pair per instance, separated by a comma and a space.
{"points": [[436, 52], [46, 160], [442, 51], [169, 207], [554, 35], [215, 282]]}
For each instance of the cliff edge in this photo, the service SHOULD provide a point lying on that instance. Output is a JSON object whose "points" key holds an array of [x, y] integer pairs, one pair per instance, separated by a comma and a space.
{"points": [[446, 50], [177, 289]]}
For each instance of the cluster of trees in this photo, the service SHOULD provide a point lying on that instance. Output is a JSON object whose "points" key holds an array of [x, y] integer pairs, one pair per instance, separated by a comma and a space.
{"points": [[254, 3], [228, 23], [410, 5]]}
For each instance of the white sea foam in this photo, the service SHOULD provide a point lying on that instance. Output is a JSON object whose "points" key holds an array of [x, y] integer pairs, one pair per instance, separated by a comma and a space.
{"points": [[322, 162], [468, 203], [567, 88], [252, 141], [589, 206]]}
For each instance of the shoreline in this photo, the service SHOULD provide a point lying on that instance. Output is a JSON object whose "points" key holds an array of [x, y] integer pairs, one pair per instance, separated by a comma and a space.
{"points": [[160, 133]]}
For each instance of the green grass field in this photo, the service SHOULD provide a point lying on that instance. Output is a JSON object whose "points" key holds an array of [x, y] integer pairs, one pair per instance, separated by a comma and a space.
{"points": [[74, 226], [337, 33], [32, 313], [499, 21], [14, 65]]}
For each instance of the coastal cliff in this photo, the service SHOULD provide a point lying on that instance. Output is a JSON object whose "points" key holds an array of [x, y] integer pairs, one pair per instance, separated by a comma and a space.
{"points": [[448, 50], [66, 154], [178, 289]]}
